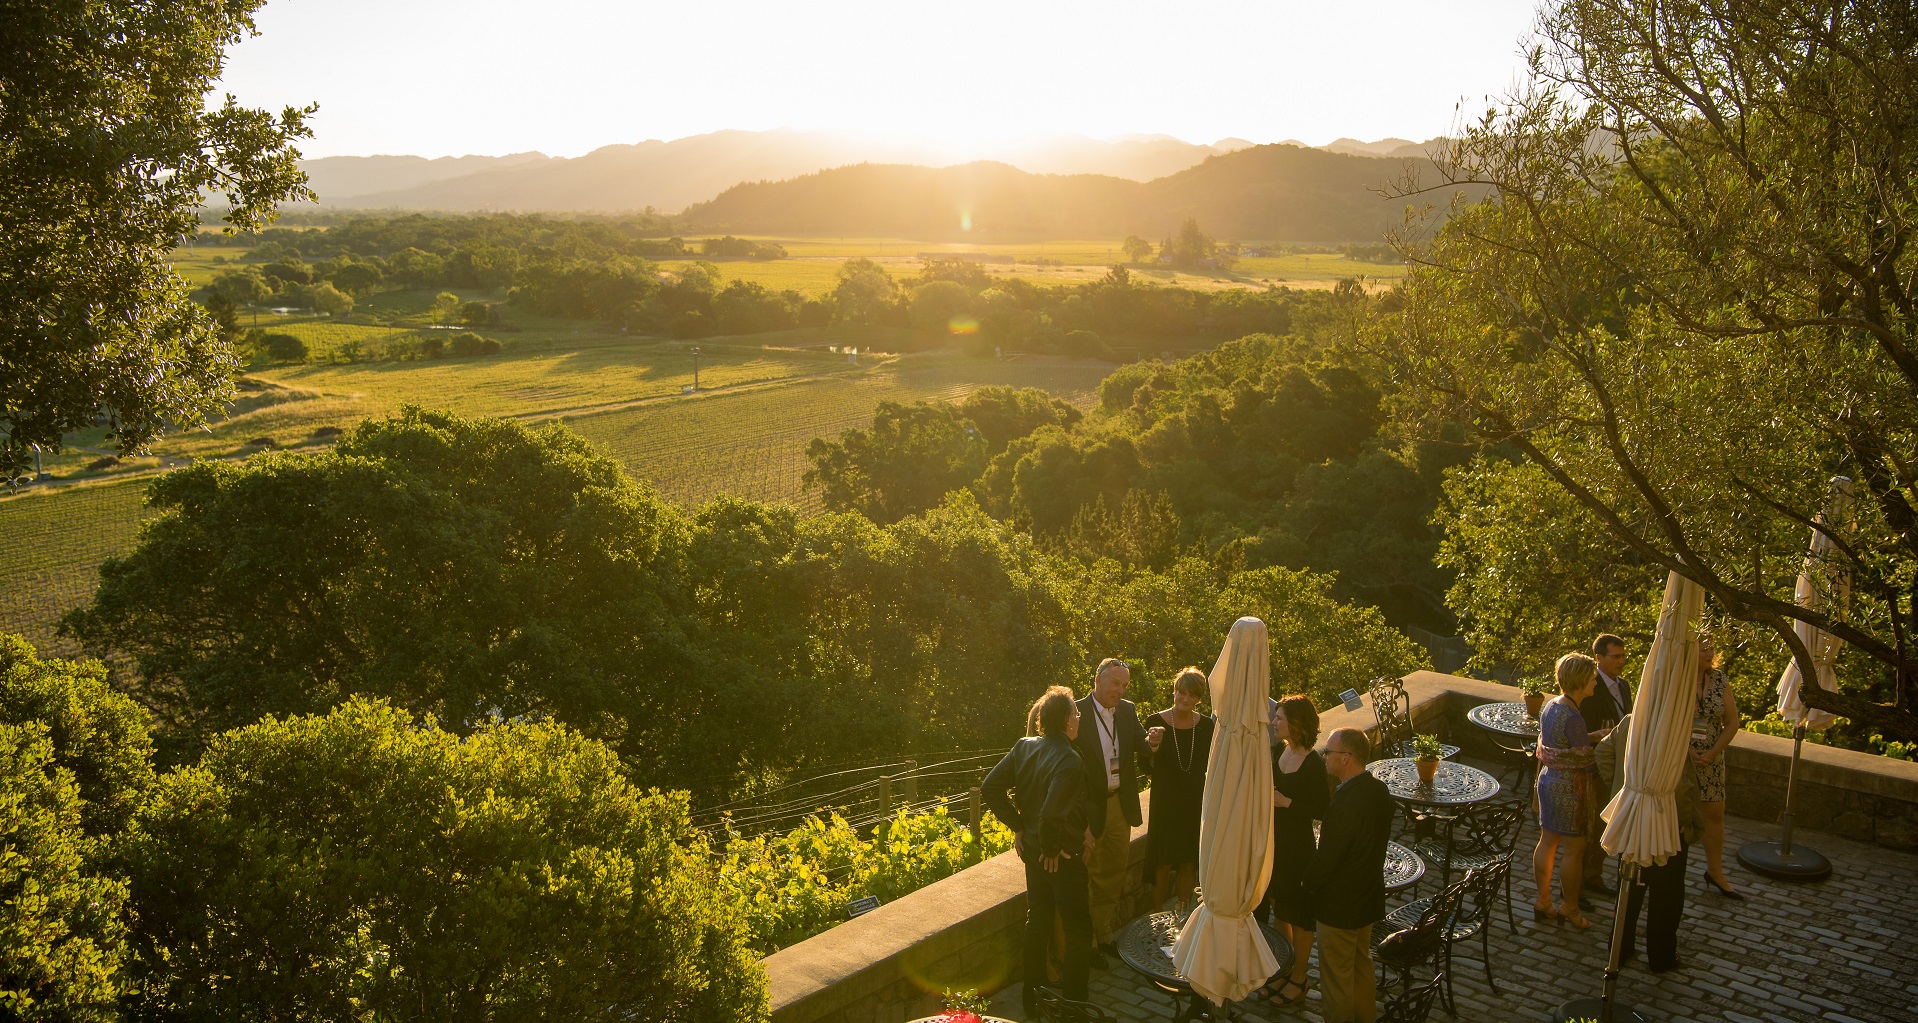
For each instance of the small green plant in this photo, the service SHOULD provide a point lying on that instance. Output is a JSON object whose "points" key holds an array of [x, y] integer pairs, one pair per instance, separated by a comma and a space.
{"points": [[966, 1000], [1535, 685], [1426, 747]]}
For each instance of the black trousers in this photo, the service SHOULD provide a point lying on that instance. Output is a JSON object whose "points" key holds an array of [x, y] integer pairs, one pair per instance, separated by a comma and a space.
{"points": [[1664, 888], [1065, 893]]}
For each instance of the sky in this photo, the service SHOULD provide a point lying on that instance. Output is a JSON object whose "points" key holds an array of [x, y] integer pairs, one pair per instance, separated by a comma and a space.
{"points": [[564, 77]]}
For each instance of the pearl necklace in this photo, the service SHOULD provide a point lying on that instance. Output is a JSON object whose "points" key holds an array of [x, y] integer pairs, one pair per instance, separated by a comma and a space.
{"points": [[1192, 748]]}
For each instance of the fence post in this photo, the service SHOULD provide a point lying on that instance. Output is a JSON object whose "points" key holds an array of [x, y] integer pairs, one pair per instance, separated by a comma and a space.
{"points": [[885, 794], [974, 807], [912, 781]]}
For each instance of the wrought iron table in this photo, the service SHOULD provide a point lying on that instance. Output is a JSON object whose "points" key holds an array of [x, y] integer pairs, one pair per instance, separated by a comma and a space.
{"points": [[1455, 784], [1143, 944], [1506, 719], [1515, 733]]}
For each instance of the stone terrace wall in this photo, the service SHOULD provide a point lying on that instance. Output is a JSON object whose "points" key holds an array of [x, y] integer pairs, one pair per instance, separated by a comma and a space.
{"points": [[891, 964]]}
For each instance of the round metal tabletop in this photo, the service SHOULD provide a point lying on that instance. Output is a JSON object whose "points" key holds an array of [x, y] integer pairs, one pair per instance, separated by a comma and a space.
{"points": [[1507, 719], [1454, 785], [1144, 942]]}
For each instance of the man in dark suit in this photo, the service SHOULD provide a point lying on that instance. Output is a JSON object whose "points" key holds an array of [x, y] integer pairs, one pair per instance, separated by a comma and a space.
{"points": [[1111, 742], [1049, 823], [1344, 882], [1611, 700]]}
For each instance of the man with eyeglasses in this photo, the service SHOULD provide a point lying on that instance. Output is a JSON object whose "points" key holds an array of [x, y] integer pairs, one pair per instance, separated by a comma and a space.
{"points": [[1112, 744], [1345, 881]]}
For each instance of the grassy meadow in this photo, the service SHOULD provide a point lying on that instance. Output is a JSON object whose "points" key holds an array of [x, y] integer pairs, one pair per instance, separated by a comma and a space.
{"points": [[745, 433]]}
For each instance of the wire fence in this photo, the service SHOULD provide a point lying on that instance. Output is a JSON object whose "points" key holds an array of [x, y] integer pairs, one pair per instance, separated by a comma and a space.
{"points": [[864, 795]]}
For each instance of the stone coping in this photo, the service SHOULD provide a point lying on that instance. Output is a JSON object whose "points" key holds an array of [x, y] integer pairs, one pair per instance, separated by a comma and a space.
{"points": [[856, 970]]}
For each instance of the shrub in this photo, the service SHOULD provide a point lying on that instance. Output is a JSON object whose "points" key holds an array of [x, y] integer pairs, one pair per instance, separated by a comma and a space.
{"points": [[283, 348], [432, 346], [468, 343], [366, 865]]}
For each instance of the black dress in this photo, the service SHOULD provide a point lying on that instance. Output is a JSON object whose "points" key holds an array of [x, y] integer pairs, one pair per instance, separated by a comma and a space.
{"points": [[1178, 791], [1292, 840]]}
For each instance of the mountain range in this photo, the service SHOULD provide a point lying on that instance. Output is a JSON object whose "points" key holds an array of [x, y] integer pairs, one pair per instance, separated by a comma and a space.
{"points": [[670, 176], [1266, 193]]}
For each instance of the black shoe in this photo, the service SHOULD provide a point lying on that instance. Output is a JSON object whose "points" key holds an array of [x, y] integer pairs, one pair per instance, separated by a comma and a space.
{"points": [[1730, 893], [1676, 964], [1097, 961], [1110, 948], [1601, 888], [1584, 904], [1627, 956]]}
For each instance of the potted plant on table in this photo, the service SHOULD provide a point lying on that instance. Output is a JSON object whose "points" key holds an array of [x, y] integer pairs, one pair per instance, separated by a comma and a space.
{"points": [[1535, 690], [963, 1006], [1427, 752]]}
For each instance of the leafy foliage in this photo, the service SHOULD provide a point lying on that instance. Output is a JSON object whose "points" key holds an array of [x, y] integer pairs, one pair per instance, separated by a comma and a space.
{"points": [[98, 736], [1693, 302], [362, 865], [61, 937], [797, 884], [110, 147]]}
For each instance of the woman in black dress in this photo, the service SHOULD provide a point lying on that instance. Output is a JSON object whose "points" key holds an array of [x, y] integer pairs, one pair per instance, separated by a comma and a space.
{"points": [[1178, 786], [1300, 794]]}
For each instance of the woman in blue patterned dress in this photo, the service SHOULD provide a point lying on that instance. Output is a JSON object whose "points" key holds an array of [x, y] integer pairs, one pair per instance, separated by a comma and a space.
{"points": [[1567, 786]]}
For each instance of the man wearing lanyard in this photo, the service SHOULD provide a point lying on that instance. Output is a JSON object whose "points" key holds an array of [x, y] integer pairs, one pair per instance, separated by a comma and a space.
{"points": [[1111, 749], [1611, 700]]}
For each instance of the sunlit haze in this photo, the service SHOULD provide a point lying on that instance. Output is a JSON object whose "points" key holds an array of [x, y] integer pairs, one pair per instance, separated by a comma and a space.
{"points": [[438, 77]]}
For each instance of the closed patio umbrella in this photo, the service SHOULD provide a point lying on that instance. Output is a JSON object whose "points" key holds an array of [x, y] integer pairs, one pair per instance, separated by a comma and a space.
{"points": [[1641, 823], [1221, 951], [1819, 585]]}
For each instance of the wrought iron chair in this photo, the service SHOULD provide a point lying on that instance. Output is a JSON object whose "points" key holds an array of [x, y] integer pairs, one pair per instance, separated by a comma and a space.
{"points": [[1415, 1005], [1393, 708], [1057, 1008], [1483, 886], [1485, 834], [1419, 934]]}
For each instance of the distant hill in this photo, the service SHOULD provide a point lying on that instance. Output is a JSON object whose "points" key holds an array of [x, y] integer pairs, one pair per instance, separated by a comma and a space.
{"points": [[1277, 192], [669, 176]]}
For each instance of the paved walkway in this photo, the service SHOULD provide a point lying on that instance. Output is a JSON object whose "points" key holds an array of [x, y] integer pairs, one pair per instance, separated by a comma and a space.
{"points": [[1840, 951]]}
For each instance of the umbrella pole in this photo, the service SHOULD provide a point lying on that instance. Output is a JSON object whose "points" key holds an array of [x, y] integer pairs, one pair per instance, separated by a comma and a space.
{"points": [[1604, 1009], [1780, 859]]}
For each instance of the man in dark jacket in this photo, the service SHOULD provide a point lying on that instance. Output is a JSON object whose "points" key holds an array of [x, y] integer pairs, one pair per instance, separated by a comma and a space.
{"points": [[1111, 742], [1344, 882], [1050, 824], [1611, 699]]}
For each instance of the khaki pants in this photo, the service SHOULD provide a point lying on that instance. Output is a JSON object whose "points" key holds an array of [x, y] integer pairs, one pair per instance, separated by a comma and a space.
{"points": [[1347, 983], [1106, 870]]}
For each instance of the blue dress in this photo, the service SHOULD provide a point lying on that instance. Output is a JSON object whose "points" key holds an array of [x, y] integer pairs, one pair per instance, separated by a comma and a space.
{"points": [[1567, 779]]}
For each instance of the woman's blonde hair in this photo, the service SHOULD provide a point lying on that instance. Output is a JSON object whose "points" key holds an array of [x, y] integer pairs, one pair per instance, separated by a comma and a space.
{"points": [[1191, 682], [1573, 671]]}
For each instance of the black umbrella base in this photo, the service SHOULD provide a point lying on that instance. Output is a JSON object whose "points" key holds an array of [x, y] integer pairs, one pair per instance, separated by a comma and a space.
{"points": [[1594, 1008], [1769, 859]]}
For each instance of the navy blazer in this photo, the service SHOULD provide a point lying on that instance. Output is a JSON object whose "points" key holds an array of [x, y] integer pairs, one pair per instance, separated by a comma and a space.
{"points": [[1344, 883], [1132, 748]]}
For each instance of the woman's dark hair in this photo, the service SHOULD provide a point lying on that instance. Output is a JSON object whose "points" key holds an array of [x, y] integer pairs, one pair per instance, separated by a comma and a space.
{"points": [[1055, 709], [1191, 682], [1302, 718]]}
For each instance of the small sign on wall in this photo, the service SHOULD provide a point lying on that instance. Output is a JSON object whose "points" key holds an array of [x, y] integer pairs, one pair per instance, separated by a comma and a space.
{"points": [[858, 907], [1351, 699]]}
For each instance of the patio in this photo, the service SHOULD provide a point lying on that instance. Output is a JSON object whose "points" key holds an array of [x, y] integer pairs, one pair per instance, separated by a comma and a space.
{"points": [[1835, 951]]}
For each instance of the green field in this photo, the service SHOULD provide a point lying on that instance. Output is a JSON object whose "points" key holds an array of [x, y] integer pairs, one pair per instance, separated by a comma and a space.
{"points": [[51, 546], [812, 266], [748, 441], [753, 444]]}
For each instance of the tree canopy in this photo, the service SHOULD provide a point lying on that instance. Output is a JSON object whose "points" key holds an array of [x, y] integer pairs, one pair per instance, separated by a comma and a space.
{"points": [[110, 148], [1694, 299]]}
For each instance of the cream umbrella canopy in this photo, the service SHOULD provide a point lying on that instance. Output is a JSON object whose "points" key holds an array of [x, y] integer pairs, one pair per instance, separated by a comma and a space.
{"points": [[1819, 586], [1221, 951], [1641, 823]]}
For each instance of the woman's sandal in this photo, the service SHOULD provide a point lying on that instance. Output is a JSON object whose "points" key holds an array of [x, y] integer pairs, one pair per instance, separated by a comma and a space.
{"points": [[1279, 997], [1576, 919]]}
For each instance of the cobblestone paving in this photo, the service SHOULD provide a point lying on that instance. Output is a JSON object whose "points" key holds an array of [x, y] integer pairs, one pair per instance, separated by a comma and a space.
{"points": [[1841, 951]]}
